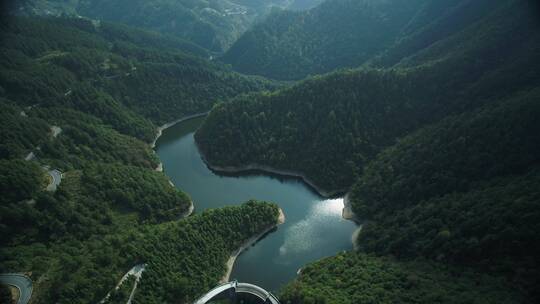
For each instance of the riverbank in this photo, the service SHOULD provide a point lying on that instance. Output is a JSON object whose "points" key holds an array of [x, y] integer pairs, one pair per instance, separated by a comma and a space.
{"points": [[247, 244], [347, 212], [267, 169], [160, 130], [191, 208], [172, 123]]}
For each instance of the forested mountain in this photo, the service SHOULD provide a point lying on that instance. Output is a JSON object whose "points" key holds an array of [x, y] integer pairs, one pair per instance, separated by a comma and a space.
{"points": [[441, 146], [77, 62], [347, 33], [84, 97], [295, 128], [214, 25], [433, 131]]}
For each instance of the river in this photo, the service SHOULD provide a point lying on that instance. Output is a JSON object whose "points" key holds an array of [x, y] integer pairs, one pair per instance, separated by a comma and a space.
{"points": [[313, 229]]}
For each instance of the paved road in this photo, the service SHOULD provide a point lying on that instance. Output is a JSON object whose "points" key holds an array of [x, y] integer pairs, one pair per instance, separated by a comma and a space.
{"points": [[255, 290], [56, 179], [21, 282]]}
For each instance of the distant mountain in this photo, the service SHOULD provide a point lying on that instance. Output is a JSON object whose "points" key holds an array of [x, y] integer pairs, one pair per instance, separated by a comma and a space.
{"points": [[348, 33], [214, 25]]}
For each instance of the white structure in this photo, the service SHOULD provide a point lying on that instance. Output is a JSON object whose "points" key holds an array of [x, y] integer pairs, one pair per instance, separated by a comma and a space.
{"points": [[265, 296]]}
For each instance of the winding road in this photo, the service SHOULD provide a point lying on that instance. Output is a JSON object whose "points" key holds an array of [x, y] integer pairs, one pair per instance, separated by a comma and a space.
{"points": [[56, 179], [21, 282]]}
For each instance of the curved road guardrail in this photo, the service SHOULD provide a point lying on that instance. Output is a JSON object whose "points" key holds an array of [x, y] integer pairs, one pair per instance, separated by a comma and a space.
{"points": [[21, 282], [56, 176], [255, 290]]}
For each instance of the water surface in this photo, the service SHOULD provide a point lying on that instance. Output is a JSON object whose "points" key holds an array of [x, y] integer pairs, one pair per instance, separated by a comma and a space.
{"points": [[313, 228]]}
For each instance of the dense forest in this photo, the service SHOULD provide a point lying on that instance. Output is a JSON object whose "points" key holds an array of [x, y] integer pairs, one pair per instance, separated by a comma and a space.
{"points": [[359, 278], [437, 144], [295, 128], [71, 98], [463, 191], [112, 72]]}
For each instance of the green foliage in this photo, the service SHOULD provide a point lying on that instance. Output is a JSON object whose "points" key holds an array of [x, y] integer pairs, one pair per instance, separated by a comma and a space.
{"points": [[83, 66], [436, 21], [295, 128], [359, 278], [454, 155], [148, 192], [86, 139], [189, 256], [19, 133], [176, 86], [460, 191], [491, 229], [19, 180]]}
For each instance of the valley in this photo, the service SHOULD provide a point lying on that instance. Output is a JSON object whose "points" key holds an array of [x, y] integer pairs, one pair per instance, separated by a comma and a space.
{"points": [[338, 151]]}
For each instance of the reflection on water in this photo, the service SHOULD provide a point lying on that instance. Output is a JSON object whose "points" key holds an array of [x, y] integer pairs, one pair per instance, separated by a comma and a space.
{"points": [[313, 229], [310, 233]]}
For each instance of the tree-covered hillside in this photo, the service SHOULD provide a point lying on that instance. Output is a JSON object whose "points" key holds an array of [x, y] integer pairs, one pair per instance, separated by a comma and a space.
{"points": [[295, 128], [76, 62], [351, 278], [463, 191], [346, 33], [84, 98]]}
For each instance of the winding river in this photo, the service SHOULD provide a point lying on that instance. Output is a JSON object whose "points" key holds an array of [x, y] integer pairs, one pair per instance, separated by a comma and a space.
{"points": [[313, 229]]}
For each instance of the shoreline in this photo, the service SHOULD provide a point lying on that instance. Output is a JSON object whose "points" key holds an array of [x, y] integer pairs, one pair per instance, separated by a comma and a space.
{"points": [[267, 169], [248, 243], [162, 128], [191, 208], [347, 212], [172, 123]]}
